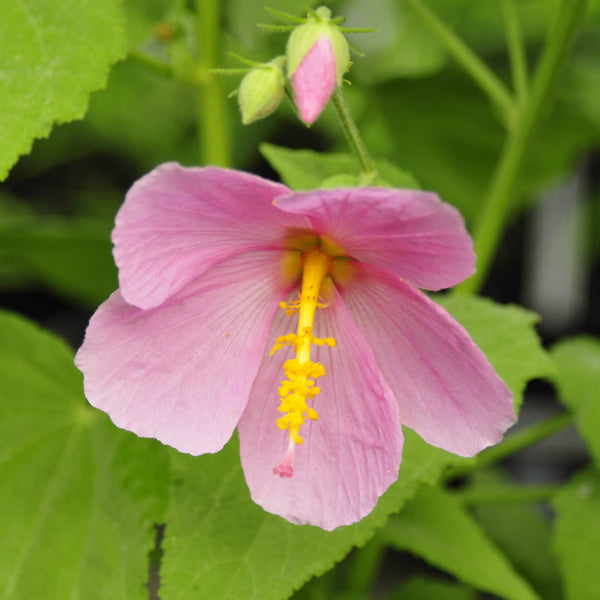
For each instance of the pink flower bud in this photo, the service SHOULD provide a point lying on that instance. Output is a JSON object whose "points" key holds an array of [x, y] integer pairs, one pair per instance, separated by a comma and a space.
{"points": [[314, 80]]}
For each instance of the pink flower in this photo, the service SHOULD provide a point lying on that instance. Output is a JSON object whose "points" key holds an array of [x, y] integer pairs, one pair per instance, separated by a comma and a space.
{"points": [[232, 286], [314, 80]]}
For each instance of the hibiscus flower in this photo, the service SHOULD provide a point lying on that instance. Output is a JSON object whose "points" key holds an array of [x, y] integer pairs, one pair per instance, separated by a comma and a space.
{"points": [[295, 317]]}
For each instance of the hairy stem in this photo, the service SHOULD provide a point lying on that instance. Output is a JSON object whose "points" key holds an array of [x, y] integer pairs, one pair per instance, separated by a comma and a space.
{"points": [[212, 115], [369, 172], [499, 198], [516, 50], [470, 62]]}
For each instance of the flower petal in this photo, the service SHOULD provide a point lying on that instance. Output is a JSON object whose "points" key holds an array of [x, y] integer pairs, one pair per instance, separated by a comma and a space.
{"points": [[314, 80], [409, 232], [177, 222], [350, 455], [447, 390], [182, 372]]}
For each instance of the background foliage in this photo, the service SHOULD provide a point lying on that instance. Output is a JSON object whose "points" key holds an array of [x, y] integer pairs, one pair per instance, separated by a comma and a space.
{"points": [[94, 94]]}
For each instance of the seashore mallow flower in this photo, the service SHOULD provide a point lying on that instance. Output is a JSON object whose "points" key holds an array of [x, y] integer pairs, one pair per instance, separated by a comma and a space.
{"points": [[295, 317]]}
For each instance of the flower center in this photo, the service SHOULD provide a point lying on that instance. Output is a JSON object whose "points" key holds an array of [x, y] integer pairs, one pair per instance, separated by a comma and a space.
{"points": [[300, 371]]}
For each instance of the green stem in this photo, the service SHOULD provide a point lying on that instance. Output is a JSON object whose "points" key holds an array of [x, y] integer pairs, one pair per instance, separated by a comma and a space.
{"points": [[369, 172], [471, 63], [497, 203], [514, 443], [212, 114], [510, 494], [516, 50]]}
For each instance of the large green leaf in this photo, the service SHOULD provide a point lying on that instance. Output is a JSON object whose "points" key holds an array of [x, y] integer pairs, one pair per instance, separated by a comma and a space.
{"points": [[507, 336], [220, 545], [308, 170], [78, 496], [577, 536], [54, 55], [578, 381], [436, 526]]}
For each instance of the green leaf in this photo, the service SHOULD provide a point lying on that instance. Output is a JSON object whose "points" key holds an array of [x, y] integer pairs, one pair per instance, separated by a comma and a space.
{"points": [[78, 496], [522, 532], [436, 526], [577, 536], [578, 382], [219, 544], [60, 53], [420, 588], [507, 336], [308, 170], [70, 256]]}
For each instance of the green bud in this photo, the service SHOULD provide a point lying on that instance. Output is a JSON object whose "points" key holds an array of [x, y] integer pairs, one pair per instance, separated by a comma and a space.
{"points": [[304, 36], [262, 90]]}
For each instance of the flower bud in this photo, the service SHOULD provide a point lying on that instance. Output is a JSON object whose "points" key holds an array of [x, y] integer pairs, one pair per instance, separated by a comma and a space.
{"points": [[317, 58], [262, 90]]}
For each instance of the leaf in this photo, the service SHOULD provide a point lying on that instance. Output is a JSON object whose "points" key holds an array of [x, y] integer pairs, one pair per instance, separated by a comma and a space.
{"points": [[220, 545], [578, 382], [70, 256], [308, 170], [59, 53], [78, 496], [522, 532], [507, 337], [577, 535], [436, 526]]}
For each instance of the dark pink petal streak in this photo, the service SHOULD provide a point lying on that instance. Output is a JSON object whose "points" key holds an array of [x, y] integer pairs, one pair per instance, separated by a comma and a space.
{"points": [[182, 372], [409, 232], [177, 222], [447, 390], [349, 456]]}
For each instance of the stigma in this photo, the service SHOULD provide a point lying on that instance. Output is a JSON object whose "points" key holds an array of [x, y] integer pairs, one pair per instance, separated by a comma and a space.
{"points": [[298, 389]]}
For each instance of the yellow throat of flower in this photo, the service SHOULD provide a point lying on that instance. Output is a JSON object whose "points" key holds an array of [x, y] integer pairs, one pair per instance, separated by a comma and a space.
{"points": [[300, 371]]}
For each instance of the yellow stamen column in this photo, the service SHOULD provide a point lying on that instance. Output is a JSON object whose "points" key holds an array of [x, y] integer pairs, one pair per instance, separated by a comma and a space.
{"points": [[301, 371]]}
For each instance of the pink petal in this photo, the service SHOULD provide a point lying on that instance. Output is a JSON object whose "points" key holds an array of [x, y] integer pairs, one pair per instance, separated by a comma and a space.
{"points": [[176, 223], [349, 456], [314, 80], [447, 390], [182, 372], [410, 232]]}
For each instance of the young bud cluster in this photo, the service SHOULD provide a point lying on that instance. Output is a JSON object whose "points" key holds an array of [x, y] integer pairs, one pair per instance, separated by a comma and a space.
{"points": [[317, 56]]}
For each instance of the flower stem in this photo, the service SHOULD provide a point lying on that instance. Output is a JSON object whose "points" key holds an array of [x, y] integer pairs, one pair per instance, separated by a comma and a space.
{"points": [[470, 62], [507, 494], [516, 50], [369, 173], [513, 443], [497, 204], [212, 116]]}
